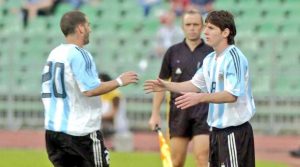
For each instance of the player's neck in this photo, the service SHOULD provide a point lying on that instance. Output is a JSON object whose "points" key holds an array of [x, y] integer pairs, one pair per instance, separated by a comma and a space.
{"points": [[192, 44], [73, 39], [220, 48]]}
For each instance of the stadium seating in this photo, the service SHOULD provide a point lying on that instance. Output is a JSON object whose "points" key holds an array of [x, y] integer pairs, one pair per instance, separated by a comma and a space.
{"points": [[122, 39]]}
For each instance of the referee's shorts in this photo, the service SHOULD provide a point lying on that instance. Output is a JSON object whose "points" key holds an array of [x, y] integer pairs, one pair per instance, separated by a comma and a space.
{"points": [[66, 150], [232, 147]]}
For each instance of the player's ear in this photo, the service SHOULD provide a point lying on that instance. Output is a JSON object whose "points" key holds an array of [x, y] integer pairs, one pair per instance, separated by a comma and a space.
{"points": [[225, 32], [80, 28]]}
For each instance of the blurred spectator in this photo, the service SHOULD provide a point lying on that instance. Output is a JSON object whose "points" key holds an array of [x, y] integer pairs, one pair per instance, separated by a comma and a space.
{"points": [[76, 4], [205, 6], [113, 110], [295, 153], [114, 119], [148, 5], [168, 34], [33, 8], [179, 6]]}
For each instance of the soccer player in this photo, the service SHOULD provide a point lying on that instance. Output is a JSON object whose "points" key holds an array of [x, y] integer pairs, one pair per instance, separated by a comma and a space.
{"points": [[70, 85], [223, 82], [180, 63]]}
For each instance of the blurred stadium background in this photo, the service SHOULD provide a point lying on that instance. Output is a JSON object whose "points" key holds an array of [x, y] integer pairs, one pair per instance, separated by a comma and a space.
{"points": [[122, 39]]}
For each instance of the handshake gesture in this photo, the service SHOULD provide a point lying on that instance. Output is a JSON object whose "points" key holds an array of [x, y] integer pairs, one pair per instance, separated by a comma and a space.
{"points": [[190, 95], [158, 85]]}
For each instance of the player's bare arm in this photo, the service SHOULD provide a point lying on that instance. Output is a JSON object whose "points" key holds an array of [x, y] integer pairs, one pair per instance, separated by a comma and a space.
{"points": [[154, 86], [190, 99], [161, 85], [123, 80]]}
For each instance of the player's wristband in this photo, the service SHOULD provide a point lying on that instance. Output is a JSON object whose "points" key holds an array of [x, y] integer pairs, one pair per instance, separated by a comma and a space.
{"points": [[120, 82]]}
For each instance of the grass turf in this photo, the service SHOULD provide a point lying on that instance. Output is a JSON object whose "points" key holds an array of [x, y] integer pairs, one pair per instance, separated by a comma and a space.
{"points": [[38, 158]]}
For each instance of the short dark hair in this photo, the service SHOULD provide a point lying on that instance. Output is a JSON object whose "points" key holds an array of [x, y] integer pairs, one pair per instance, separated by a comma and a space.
{"points": [[192, 11], [70, 20], [223, 19]]}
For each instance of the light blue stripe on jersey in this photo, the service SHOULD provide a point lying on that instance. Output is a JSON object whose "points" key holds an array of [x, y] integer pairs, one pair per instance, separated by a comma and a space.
{"points": [[221, 106], [213, 83], [87, 60], [237, 80], [84, 70], [51, 113], [220, 114], [65, 115], [236, 63], [210, 115]]}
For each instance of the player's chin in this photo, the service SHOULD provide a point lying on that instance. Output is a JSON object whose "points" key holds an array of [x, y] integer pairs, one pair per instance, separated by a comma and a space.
{"points": [[208, 42], [194, 38], [86, 41]]}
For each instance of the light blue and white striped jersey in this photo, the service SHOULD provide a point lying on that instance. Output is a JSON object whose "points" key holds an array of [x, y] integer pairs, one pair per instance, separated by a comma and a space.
{"points": [[227, 72], [69, 71]]}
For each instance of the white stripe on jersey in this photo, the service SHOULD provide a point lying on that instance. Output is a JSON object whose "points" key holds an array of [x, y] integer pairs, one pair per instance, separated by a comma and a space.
{"points": [[228, 72]]}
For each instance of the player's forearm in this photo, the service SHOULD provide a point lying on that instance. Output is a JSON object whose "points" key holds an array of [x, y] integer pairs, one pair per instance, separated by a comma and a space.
{"points": [[105, 87], [178, 87], [220, 97]]}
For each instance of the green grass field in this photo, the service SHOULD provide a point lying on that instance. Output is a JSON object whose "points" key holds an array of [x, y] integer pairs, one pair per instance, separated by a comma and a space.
{"points": [[38, 158]]}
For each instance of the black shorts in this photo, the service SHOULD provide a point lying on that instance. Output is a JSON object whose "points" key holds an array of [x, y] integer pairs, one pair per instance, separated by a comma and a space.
{"points": [[66, 150], [189, 122], [232, 147]]}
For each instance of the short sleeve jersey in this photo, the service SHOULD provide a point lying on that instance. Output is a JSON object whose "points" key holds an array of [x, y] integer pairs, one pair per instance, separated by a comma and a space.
{"points": [[227, 72], [69, 71]]}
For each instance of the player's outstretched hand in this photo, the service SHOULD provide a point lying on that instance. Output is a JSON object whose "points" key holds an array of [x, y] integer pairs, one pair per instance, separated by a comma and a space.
{"points": [[154, 85], [188, 99], [128, 78]]}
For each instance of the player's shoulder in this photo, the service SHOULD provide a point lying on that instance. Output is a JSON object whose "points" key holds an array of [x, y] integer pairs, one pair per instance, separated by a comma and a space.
{"points": [[177, 45], [210, 56], [69, 48], [60, 51], [232, 50], [173, 49], [82, 50], [235, 54], [77, 52]]}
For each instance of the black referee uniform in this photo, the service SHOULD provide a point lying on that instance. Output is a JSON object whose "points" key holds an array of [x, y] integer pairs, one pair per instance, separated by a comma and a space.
{"points": [[180, 64]]}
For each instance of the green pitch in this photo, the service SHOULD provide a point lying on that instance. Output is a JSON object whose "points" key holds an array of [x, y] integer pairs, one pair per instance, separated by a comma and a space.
{"points": [[38, 158]]}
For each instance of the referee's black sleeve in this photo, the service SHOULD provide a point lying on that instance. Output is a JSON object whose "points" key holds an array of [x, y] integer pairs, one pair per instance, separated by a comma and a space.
{"points": [[166, 70]]}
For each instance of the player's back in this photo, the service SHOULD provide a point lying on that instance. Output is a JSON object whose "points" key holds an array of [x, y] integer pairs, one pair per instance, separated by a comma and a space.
{"points": [[66, 108]]}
